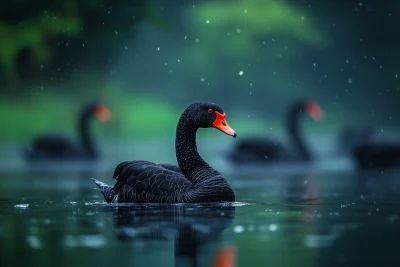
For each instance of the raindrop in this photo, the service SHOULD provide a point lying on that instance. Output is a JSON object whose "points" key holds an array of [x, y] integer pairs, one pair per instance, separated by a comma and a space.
{"points": [[350, 80], [273, 227], [238, 229], [34, 241], [21, 206], [241, 73], [207, 21]]}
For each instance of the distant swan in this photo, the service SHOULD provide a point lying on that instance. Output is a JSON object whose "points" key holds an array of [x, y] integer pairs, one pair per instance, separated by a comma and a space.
{"points": [[50, 147], [264, 150]]}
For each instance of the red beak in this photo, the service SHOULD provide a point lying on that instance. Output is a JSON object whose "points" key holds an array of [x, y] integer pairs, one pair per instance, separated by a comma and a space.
{"points": [[102, 113], [221, 124], [314, 110]]}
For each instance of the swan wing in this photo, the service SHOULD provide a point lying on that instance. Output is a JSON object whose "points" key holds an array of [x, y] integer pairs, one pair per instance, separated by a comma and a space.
{"points": [[143, 181], [171, 167]]}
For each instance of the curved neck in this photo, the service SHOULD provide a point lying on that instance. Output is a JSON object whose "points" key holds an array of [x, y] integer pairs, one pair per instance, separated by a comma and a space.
{"points": [[295, 135], [85, 138], [192, 165]]}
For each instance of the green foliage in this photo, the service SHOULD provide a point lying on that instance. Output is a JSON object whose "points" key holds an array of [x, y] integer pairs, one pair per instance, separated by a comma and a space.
{"points": [[236, 26], [134, 116], [30, 25], [32, 34], [260, 37]]}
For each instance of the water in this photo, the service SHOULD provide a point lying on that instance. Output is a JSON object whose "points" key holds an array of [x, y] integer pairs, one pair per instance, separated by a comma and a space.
{"points": [[321, 216]]}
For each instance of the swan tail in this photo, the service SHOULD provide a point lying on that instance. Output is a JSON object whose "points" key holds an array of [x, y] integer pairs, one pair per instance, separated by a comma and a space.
{"points": [[107, 191]]}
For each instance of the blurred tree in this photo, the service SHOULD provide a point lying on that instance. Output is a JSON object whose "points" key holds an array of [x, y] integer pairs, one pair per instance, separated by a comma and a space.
{"points": [[267, 34], [51, 39]]}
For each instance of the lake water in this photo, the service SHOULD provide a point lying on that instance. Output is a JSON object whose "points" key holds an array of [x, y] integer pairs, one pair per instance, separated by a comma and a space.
{"points": [[323, 215]]}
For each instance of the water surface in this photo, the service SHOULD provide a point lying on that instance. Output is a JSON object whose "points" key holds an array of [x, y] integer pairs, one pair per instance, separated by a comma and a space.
{"points": [[54, 216]]}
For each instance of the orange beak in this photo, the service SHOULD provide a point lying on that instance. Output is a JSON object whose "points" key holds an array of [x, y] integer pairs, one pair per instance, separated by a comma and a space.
{"points": [[225, 257], [221, 124], [314, 110], [102, 113]]}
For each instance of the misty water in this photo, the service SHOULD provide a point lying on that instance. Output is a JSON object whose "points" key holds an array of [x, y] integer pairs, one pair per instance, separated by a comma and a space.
{"points": [[324, 215]]}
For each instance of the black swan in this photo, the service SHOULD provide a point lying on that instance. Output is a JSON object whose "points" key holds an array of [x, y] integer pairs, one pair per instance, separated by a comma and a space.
{"points": [[194, 181], [264, 150], [190, 227], [57, 147], [377, 155]]}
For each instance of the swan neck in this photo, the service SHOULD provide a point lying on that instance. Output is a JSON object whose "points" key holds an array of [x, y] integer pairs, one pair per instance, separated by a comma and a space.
{"points": [[84, 133], [295, 133], [191, 163]]}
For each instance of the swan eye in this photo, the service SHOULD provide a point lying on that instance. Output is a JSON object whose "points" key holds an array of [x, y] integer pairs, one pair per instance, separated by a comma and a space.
{"points": [[210, 111]]}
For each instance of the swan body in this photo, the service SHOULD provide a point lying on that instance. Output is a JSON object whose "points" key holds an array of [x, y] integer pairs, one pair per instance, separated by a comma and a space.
{"points": [[192, 181], [377, 155]]}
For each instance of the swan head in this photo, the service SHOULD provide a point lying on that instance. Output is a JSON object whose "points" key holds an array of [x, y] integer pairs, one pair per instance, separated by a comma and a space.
{"points": [[313, 110], [100, 111], [209, 115]]}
